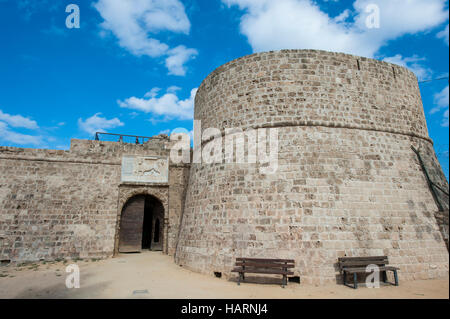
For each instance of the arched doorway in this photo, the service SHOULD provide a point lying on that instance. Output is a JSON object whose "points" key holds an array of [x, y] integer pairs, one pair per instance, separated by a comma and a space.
{"points": [[141, 224]]}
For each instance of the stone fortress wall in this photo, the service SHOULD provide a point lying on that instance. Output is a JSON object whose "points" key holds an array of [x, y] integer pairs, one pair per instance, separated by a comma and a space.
{"points": [[67, 204], [348, 182]]}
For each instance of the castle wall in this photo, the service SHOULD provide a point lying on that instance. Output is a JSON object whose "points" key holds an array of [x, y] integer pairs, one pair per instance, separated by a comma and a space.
{"points": [[348, 182], [60, 204], [179, 179], [311, 88]]}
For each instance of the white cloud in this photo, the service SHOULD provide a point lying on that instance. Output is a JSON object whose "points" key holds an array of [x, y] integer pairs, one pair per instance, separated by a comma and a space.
{"points": [[134, 21], [445, 120], [177, 58], [441, 101], [412, 63], [168, 105], [8, 134], [96, 123], [443, 34], [344, 15], [32, 7], [173, 89], [301, 24], [152, 93], [18, 121], [17, 138], [133, 114]]}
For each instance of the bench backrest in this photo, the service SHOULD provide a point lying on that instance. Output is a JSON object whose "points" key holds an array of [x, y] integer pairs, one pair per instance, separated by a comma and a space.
{"points": [[265, 263], [352, 262]]}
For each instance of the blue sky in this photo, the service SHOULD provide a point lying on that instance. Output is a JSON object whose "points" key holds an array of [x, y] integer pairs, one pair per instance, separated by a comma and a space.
{"points": [[133, 65]]}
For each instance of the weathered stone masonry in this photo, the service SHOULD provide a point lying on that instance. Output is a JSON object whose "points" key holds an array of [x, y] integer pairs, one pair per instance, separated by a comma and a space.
{"points": [[67, 204], [348, 182]]}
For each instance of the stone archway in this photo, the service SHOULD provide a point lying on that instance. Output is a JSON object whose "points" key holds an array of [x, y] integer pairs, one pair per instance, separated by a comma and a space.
{"points": [[140, 224], [133, 201]]}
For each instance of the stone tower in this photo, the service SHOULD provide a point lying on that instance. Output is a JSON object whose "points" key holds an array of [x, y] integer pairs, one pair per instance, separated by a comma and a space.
{"points": [[348, 182]]}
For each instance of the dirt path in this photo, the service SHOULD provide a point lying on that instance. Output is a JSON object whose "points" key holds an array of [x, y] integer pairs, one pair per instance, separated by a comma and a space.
{"points": [[154, 275]]}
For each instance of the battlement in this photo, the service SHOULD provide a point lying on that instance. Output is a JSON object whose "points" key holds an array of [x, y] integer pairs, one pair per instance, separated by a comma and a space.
{"points": [[312, 88]]}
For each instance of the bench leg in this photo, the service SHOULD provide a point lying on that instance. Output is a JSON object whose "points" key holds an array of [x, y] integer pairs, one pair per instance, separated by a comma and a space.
{"points": [[239, 279], [355, 280], [284, 281], [396, 277], [345, 280]]}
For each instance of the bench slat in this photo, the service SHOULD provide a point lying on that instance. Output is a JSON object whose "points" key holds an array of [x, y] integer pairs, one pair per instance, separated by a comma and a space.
{"points": [[362, 258], [363, 270], [345, 262], [266, 260], [363, 263], [262, 271], [263, 265]]}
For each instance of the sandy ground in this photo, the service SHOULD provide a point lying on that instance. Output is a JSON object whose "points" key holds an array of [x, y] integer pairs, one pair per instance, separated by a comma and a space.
{"points": [[154, 275]]}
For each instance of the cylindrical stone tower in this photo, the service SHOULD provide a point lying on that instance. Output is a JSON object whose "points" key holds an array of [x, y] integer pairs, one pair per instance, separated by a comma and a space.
{"points": [[348, 182]]}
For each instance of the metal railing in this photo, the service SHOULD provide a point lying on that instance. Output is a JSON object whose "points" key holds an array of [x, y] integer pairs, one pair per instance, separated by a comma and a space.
{"points": [[120, 137], [431, 184]]}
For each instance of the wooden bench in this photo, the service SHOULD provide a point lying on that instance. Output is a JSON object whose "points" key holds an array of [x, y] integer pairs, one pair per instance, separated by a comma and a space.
{"points": [[355, 265], [264, 266]]}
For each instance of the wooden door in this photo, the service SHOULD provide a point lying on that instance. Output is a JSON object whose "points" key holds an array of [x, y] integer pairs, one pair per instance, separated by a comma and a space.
{"points": [[131, 224]]}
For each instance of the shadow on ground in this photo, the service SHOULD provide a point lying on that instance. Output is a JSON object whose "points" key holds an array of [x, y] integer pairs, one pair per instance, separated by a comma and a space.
{"points": [[60, 291]]}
